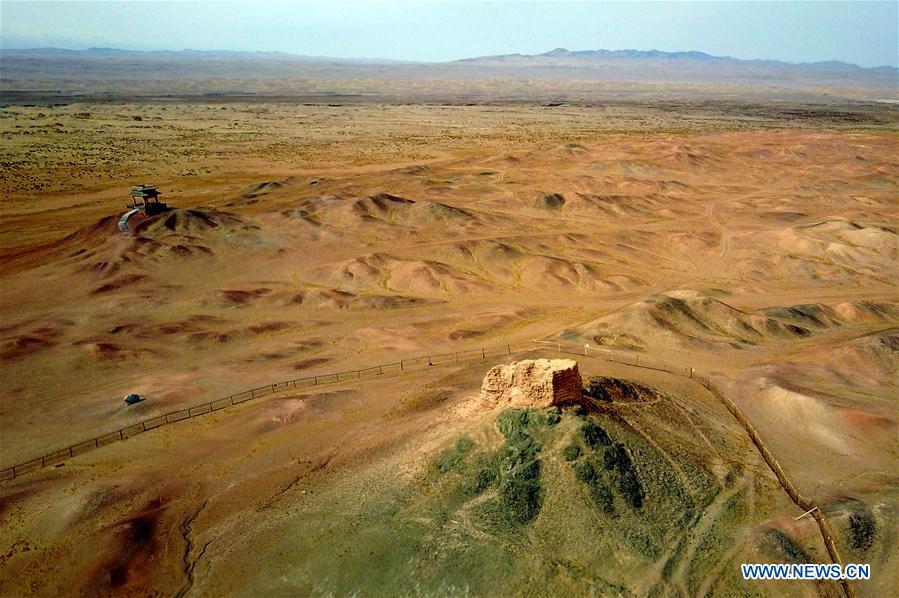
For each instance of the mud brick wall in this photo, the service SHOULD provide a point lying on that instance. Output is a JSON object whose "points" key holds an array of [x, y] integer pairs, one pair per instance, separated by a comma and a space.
{"points": [[567, 385], [532, 383]]}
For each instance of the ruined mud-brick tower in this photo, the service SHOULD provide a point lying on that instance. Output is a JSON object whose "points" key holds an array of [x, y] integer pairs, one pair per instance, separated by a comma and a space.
{"points": [[532, 383]]}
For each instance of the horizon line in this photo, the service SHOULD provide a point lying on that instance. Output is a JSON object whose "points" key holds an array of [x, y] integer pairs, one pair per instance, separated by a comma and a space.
{"points": [[420, 62]]}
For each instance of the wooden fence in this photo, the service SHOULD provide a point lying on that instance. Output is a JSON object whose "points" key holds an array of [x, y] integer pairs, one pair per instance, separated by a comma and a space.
{"points": [[406, 364]]}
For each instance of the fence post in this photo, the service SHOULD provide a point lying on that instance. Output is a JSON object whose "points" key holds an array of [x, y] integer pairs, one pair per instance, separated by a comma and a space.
{"points": [[483, 354], [380, 371], [252, 394], [509, 347], [402, 367], [70, 452], [358, 373]]}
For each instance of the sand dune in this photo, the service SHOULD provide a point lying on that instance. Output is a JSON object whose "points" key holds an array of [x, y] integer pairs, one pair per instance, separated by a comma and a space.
{"points": [[763, 257], [688, 319]]}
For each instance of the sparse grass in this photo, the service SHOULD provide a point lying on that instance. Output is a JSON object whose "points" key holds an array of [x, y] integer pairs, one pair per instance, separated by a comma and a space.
{"points": [[454, 456], [486, 519], [571, 452]]}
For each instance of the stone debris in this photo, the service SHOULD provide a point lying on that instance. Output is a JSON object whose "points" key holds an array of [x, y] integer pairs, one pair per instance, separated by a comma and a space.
{"points": [[532, 383]]}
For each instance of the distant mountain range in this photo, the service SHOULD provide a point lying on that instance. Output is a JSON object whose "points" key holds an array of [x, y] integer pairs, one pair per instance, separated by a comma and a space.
{"points": [[558, 55], [109, 70], [584, 57]]}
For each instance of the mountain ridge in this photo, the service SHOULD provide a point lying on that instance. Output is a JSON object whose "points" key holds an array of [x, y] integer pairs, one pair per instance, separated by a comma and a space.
{"points": [[694, 55], [582, 56]]}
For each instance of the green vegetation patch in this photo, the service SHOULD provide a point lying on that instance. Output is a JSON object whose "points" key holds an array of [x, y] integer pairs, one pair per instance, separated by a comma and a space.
{"points": [[618, 460], [519, 465], [453, 458], [615, 460], [578, 500], [594, 435], [586, 472], [513, 470], [571, 452]]}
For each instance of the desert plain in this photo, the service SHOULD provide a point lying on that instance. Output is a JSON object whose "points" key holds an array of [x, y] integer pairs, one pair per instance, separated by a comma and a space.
{"points": [[752, 241]]}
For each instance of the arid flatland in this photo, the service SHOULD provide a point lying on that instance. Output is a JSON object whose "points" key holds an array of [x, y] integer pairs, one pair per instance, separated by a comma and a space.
{"points": [[753, 241]]}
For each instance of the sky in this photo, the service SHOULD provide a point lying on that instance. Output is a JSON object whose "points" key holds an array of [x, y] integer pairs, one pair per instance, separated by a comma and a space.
{"points": [[863, 33]]}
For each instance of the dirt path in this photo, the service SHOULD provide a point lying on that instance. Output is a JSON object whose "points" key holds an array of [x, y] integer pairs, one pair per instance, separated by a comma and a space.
{"points": [[695, 535]]}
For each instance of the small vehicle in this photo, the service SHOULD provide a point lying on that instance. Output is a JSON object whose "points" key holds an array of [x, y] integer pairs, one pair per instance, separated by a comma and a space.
{"points": [[132, 399]]}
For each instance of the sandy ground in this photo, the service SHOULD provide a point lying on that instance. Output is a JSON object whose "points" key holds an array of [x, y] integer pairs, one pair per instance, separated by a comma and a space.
{"points": [[308, 239]]}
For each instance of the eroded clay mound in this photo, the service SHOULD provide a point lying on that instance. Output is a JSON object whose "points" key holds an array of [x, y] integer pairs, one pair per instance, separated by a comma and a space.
{"points": [[192, 222], [532, 383]]}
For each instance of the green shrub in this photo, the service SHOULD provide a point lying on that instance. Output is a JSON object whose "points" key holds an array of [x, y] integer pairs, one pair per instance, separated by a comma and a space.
{"points": [[783, 547], [553, 416], [616, 458], [479, 481], [614, 389], [519, 498], [594, 435], [454, 456], [512, 425], [584, 471], [571, 452], [630, 488], [518, 467], [602, 496]]}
